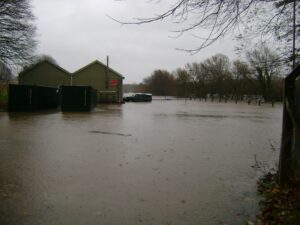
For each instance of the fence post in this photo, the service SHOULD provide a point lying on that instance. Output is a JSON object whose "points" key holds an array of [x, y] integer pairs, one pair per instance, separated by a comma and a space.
{"points": [[286, 147], [290, 130]]}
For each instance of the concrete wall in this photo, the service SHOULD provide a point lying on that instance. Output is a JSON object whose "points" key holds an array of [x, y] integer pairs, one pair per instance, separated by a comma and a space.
{"points": [[45, 74]]}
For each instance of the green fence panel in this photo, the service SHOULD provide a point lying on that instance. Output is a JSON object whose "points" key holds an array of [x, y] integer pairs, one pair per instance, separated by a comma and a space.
{"points": [[32, 98], [78, 98]]}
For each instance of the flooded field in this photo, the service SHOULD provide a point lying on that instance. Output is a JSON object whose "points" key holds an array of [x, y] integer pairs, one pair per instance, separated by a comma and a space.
{"points": [[159, 163]]}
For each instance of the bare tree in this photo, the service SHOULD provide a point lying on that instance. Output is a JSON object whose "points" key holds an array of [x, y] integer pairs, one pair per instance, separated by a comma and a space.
{"points": [[240, 70], [219, 77], [183, 80], [199, 79], [278, 25], [43, 57], [5, 73], [161, 82], [243, 83], [37, 59], [266, 18], [217, 70], [265, 66], [16, 32]]}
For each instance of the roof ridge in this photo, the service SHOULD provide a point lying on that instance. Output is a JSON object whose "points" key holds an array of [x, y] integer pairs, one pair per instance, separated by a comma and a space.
{"points": [[99, 62], [40, 62]]}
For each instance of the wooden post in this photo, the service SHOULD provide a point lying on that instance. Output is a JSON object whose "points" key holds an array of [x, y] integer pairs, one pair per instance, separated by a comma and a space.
{"points": [[290, 130], [286, 146]]}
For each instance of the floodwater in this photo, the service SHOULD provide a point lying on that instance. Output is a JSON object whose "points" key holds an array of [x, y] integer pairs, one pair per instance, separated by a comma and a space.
{"points": [[160, 163]]}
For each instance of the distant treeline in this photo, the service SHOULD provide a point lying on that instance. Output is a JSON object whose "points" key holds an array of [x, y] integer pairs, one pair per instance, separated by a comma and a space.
{"points": [[217, 77]]}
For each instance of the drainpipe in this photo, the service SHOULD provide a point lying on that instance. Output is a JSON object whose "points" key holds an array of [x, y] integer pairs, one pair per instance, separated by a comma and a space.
{"points": [[106, 74]]}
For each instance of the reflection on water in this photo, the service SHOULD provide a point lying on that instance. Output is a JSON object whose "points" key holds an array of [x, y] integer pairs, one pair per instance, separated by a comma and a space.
{"points": [[109, 133], [168, 162], [186, 114]]}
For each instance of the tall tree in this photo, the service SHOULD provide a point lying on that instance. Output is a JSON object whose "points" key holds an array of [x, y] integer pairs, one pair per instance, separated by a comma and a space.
{"points": [[5, 73], [265, 66], [17, 32], [161, 82], [217, 69], [243, 82], [37, 59], [43, 57], [184, 84], [199, 79]]}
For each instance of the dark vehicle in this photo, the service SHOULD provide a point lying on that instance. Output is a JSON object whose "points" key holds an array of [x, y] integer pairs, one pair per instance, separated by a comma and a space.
{"points": [[138, 97]]}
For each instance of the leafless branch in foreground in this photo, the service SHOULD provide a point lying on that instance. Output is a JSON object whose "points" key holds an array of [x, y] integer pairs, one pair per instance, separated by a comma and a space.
{"points": [[17, 31], [219, 17]]}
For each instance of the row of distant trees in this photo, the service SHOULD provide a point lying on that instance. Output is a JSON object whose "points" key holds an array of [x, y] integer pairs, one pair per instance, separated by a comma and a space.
{"points": [[217, 76]]}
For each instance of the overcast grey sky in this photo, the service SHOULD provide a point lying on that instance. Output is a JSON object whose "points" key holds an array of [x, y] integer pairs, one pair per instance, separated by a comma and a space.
{"points": [[76, 32]]}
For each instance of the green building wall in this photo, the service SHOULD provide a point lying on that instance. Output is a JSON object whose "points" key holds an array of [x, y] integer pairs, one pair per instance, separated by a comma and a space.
{"points": [[94, 75], [45, 74]]}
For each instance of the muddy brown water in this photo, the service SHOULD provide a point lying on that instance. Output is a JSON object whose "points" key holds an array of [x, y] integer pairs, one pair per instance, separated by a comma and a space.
{"points": [[159, 163]]}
